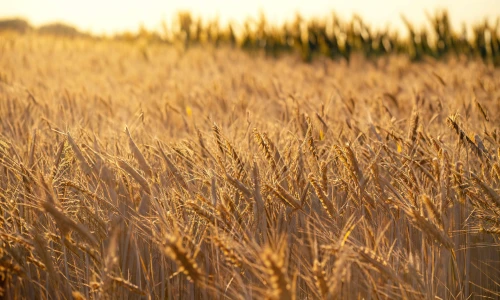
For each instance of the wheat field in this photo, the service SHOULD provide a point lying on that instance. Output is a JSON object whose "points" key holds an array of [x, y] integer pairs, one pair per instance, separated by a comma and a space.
{"points": [[140, 171]]}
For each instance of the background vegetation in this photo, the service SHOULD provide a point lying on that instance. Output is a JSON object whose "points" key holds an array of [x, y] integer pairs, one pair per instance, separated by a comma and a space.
{"points": [[136, 169], [330, 37]]}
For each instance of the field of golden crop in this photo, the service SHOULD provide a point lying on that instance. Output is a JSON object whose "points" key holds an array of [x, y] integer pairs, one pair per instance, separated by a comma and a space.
{"points": [[137, 171]]}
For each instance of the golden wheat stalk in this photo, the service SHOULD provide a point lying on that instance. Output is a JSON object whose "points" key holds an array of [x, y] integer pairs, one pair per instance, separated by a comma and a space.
{"points": [[452, 122], [429, 229], [488, 191], [325, 202], [239, 185], [128, 285], [284, 196], [320, 278], [280, 283], [433, 210], [378, 262], [413, 126], [481, 109], [173, 248]]}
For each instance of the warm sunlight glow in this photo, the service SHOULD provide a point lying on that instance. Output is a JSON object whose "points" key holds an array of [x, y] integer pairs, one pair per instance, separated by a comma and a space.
{"points": [[101, 16]]}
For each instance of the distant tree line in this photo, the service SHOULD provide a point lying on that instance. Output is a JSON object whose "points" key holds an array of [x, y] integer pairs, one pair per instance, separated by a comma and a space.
{"points": [[330, 37], [56, 28]]}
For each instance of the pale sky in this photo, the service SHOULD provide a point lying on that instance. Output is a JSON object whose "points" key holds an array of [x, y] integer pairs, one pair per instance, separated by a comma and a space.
{"points": [[107, 16]]}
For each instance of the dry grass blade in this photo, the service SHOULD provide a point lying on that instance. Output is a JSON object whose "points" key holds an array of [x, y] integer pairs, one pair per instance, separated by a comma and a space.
{"points": [[136, 175], [239, 185], [173, 169], [488, 191], [66, 224], [439, 78], [32, 151], [57, 160], [146, 168], [79, 155]]}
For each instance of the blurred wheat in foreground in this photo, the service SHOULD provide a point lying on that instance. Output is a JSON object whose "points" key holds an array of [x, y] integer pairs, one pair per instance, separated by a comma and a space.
{"points": [[133, 171]]}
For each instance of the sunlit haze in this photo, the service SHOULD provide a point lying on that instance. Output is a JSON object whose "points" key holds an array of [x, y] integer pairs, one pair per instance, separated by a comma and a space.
{"points": [[113, 15]]}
